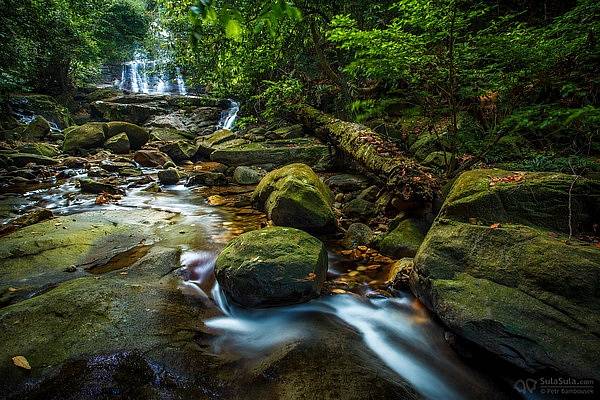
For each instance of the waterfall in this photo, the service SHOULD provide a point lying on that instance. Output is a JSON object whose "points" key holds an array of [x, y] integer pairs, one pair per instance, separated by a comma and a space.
{"points": [[228, 117], [151, 77]]}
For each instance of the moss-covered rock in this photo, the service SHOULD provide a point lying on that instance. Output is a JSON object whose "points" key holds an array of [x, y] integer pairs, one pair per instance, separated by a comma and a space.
{"points": [[509, 280], [425, 144], [277, 152], [295, 196], [84, 137], [180, 150], [39, 148], [137, 135], [118, 144], [98, 187], [359, 208], [272, 266], [37, 129], [247, 175], [402, 241], [208, 144], [151, 158], [22, 159], [169, 176]]}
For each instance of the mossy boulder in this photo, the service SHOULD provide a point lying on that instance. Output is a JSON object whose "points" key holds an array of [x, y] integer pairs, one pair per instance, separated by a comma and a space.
{"points": [[277, 152], [498, 268], [271, 267], [39, 148], [402, 241], [118, 144], [180, 150], [22, 159], [169, 176], [425, 144], [84, 137], [208, 144], [243, 175], [295, 196], [137, 135], [38, 128]]}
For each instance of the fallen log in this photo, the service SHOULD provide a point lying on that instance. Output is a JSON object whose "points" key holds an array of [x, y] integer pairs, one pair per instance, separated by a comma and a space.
{"points": [[371, 154]]}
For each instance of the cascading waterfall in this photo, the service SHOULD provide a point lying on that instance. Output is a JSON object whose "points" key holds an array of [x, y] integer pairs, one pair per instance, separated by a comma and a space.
{"points": [[229, 116], [151, 77]]}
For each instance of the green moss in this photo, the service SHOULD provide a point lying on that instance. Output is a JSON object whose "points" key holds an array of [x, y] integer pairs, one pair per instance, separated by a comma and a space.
{"points": [[403, 241], [87, 136], [295, 196]]}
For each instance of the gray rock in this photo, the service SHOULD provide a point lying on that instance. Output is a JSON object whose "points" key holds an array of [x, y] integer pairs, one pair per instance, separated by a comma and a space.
{"points": [[247, 176], [358, 234], [169, 176], [97, 187], [206, 178], [347, 182]]}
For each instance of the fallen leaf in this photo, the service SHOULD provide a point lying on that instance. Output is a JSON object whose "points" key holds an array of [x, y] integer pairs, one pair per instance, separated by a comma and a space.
{"points": [[339, 291], [21, 362], [495, 226], [311, 276], [352, 273]]}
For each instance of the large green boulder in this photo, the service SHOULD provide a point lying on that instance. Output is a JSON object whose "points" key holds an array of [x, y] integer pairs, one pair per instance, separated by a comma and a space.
{"points": [[180, 150], [137, 135], [499, 269], [295, 196], [402, 241], [84, 137], [271, 267], [210, 143]]}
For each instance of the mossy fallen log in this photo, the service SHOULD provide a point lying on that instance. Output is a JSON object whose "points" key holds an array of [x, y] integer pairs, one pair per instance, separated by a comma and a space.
{"points": [[371, 153]]}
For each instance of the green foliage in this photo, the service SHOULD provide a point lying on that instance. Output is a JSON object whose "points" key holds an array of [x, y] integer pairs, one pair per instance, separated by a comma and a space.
{"points": [[278, 96], [46, 45]]}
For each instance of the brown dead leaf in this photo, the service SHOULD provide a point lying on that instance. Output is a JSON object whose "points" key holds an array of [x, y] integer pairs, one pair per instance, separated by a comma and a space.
{"points": [[21, 362], [339, 291], [495, 226], [311, 276]]}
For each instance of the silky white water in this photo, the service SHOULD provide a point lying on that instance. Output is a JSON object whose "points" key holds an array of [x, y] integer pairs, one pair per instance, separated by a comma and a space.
{"points": [[229, 116]]}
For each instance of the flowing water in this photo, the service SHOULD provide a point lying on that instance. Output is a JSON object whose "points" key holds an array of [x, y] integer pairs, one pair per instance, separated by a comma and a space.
{"points": [[151, 77], [229, 116], [397, 329]]}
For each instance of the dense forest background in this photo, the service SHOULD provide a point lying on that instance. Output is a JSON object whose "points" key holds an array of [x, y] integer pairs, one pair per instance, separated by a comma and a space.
{"points": [[509, 82]]}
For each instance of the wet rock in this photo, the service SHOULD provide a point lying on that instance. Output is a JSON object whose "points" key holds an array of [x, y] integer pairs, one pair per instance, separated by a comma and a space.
{"points": [[403, 240], [247, 176], [295, 196], [115, 166], [74, 162], [169, 176], [22, 159], [97, 187], [136, 135], [38, 128], [347, 183], [206, 178], [151, 158], [498, 269], [97, 172], [152, 188], [42, 149], [33, 217], [290, 132], [358, 234], [358, 208], [84, 137], [277, 152], [271, 267], [118, 144], [208, 144], [179, 150], [169, 135], [169, 164]]}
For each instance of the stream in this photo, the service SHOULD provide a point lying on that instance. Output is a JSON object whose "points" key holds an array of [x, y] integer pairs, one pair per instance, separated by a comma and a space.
{"points": [[395, 328]]}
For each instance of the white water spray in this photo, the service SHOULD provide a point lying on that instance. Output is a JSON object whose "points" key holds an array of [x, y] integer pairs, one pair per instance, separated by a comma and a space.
{"points": [[229, 116]]}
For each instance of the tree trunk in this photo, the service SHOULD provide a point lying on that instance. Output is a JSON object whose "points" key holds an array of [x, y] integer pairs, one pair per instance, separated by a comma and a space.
{"points": [[371, 154]]}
